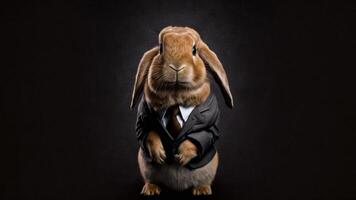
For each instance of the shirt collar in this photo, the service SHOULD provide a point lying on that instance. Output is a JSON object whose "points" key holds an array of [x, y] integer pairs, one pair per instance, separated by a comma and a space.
{"points": [[184, 111]]}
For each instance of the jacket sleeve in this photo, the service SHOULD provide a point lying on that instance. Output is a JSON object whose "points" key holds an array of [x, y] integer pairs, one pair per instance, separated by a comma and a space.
{"points": [[204, 139], [142, 125]]}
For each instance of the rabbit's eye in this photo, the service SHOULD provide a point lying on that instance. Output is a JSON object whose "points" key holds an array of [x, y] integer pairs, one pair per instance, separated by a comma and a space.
{"points": [[194, 51], [160, 48]]}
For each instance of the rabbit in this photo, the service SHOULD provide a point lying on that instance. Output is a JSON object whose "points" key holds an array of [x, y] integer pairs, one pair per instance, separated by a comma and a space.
{"points": [[175, 73]]}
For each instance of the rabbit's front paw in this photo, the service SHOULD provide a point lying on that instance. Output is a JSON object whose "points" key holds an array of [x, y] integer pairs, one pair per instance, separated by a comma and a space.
{"points": [[157, 152], [186, 152], [155, 148]]}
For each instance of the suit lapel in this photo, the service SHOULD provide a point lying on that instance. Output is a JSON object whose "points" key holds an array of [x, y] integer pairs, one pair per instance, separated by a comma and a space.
{"points": [[194, 116], [157, 117], [191, 121], [164, 128]]}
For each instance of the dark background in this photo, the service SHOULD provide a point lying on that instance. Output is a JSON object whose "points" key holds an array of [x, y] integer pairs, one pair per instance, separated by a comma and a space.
{"points": [[68, 70]]}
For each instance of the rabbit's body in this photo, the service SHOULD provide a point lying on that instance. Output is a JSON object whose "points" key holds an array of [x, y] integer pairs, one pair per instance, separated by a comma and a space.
{"points": [[174, 75], [176, 177]]}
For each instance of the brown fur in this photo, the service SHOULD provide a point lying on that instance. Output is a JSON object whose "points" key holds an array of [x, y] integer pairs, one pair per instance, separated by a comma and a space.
{"points": [[155, 147], [186, 152], [163, 86], [150, 189], [172, 74], [141, 75], [176, 177]]}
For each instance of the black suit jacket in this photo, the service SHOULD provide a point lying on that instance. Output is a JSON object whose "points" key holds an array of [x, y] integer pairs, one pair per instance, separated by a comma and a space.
{"points": [[200, 128]]}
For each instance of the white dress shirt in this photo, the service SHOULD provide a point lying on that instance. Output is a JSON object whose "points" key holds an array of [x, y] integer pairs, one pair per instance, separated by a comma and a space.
{"points": [[182, 117]]}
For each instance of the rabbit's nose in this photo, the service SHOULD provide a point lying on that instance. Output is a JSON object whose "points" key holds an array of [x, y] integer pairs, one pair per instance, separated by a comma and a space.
{"points": [[177, 69]]}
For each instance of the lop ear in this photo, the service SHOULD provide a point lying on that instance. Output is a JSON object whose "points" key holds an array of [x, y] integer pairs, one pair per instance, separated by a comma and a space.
{"points": [[141, 74], [217, 71]]}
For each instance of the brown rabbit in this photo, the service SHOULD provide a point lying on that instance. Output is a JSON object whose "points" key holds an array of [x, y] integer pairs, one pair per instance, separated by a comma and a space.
{"points": [[177, 117]]}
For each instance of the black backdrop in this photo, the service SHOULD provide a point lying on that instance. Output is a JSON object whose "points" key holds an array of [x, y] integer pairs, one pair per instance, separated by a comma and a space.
{"points": [[69, 69]]}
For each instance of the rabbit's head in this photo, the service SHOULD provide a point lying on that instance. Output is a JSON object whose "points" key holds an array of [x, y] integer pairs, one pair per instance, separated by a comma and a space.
{"points": [[175, 71]]}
